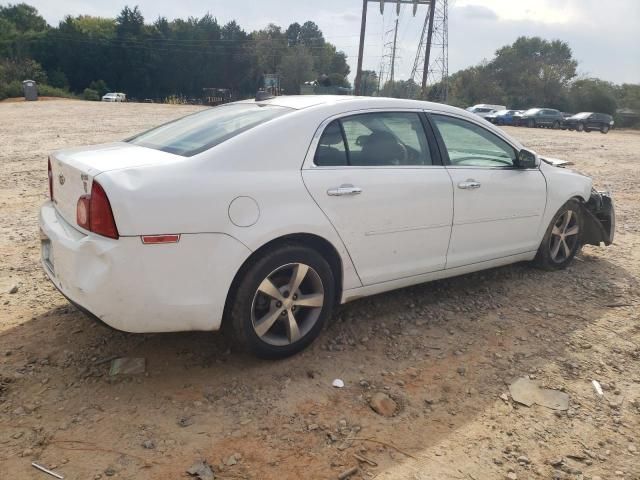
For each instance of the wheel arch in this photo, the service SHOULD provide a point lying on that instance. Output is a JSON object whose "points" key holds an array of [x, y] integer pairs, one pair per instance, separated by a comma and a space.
{"points": [[316, 242]]}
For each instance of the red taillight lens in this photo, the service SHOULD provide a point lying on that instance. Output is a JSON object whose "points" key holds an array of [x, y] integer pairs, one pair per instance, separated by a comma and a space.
{"points": [[94, 213], [100, 215], [50, 174]]}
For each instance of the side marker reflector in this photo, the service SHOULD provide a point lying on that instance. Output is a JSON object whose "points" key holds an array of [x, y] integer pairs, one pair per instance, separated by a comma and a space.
{"points": [[156, 239]]}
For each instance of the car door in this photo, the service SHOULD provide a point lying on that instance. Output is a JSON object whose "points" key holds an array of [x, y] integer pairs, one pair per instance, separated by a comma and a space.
{"points": [[594, 121], [378, 178], [497, 206]]}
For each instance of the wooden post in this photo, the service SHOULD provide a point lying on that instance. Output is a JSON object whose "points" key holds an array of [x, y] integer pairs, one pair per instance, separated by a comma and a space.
{"points": [[363, 27]]}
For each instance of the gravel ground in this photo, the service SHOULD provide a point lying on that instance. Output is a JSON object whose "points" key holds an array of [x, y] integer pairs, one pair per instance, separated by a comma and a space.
{"points": [[444, 353]]}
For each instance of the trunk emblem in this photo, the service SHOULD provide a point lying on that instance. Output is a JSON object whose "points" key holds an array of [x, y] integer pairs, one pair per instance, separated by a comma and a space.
{"points": [[61, 179]]}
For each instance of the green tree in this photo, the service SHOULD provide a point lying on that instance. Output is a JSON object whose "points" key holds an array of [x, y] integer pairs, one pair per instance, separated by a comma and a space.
{"points": [[296, 68], [23, 17], [592, 95], [368, 83]]}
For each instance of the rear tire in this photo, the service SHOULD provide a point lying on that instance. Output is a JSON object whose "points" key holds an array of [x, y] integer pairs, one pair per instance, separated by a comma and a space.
{"points": [[282, 301], [563, 238]]}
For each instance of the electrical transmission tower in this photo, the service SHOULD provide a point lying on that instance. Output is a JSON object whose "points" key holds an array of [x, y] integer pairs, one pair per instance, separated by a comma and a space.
{"points": [[433, 49], [363, 28], [388, 58], [433, 52]]}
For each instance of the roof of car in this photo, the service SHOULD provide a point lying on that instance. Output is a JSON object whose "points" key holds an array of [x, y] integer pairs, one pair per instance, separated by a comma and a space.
{"points": [[300, 102]]}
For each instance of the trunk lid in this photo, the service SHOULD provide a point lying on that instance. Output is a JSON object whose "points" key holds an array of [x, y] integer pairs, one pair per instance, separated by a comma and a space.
{"points": [[74, 169]]}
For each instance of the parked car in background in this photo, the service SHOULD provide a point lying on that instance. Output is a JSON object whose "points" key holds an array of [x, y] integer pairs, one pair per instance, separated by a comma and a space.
{"points": [[503, 117], [485, 109], [266, 214], [114, 97], [542, 117], [588, 121]]}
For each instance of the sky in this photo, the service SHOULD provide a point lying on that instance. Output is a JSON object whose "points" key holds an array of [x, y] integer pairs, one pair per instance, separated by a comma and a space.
{"points": [[604, 36]]}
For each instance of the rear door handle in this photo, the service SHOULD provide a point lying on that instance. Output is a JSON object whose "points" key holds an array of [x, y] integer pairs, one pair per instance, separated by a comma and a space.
{"points": [[346, 189], [469, 185]]}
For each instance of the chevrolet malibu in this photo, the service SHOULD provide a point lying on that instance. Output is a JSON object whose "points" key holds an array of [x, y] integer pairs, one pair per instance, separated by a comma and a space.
{"points": [[264, 215]]}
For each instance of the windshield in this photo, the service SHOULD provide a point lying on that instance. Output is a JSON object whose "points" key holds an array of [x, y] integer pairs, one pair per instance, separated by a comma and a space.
{"points": [[582, 115], [201, 131], [503, 112], [532, 111]]}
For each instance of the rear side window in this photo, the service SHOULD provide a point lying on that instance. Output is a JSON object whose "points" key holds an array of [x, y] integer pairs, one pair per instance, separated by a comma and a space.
{"points": [[375, 139], [331, 150], [201, 131]]}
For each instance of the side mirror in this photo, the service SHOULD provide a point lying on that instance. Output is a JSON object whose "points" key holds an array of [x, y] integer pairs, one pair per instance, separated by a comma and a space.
{"points": [[527, 159]]}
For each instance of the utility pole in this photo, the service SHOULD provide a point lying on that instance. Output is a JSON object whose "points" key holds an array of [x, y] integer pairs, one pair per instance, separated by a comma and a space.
{"points": [[393, 53], [363, 28]]}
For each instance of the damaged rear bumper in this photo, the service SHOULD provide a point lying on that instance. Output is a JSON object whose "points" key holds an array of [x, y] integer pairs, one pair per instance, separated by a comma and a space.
{"points": [[599, 219]]}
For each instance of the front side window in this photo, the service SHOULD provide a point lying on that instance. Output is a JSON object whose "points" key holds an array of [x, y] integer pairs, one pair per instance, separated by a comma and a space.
{"points": [[471, 145], [201, 131]]}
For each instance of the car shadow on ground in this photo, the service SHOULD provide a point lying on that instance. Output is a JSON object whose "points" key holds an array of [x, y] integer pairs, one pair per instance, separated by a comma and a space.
{"points": [[443, 351]]}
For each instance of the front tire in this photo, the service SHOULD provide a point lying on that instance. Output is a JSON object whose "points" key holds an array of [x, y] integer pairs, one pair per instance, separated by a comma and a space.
{"points": [[604, 129], [282, 301], [563, 238]]}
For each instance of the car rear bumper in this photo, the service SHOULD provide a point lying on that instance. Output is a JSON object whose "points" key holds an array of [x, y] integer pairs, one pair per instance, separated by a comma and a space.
{"points": [[141, 288]]}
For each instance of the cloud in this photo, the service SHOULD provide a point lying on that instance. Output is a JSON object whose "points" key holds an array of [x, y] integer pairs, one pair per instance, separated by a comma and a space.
{"points": [[477, 12]]}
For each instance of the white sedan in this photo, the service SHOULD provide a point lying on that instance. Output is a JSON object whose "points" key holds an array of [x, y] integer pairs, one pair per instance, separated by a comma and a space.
{"points": [[266, 214]]}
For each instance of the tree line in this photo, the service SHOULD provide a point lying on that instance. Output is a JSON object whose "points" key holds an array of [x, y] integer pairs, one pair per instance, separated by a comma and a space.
{"points": [[155, 60]]}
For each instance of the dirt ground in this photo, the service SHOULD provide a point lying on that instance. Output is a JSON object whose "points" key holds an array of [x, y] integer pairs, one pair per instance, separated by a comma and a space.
{"points": [[446, 352]]}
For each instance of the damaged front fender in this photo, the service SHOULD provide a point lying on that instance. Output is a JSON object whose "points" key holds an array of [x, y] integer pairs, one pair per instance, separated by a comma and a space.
{"points": [[599, 219]]}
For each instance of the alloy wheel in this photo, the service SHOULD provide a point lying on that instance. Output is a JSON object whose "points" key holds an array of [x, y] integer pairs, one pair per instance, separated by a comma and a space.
{"points": [[287, 304], [564, 236]]}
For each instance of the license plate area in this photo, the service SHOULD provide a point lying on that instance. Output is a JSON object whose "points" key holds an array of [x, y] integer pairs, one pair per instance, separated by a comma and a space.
{"points": [[47, 254]]}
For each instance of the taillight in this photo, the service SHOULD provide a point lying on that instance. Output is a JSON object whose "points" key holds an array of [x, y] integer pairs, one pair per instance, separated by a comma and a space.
{"points": [[50, 174], [94, 213]]}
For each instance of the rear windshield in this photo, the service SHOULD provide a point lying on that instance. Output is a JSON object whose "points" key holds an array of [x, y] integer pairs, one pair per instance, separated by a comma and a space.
{"points": [[201, 131], [582, 115], [532, 111]]}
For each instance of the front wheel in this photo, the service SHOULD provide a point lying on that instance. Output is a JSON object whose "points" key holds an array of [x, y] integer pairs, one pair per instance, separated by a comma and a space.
{"points": [[562, 240], [282, 301], [604, 129]]}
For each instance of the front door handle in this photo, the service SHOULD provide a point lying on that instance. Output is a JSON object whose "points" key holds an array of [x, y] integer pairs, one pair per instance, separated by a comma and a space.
{"points": [[469, 185], [345, 189]]}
